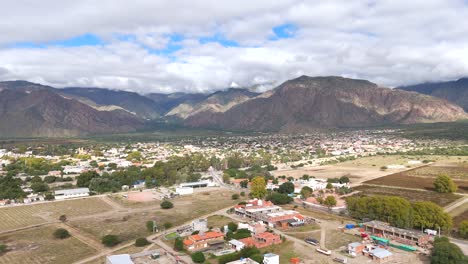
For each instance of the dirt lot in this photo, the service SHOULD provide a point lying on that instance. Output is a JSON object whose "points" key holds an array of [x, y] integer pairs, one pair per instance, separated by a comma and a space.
{"points": [[218, 221], [38, 246], [25, 215], [441, 199], [131, 225]]}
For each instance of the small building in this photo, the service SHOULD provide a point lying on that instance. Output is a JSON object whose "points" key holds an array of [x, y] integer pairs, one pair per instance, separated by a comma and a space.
{"points": [[243, 261], [119, 259], [262, 240], [270, 258], [355, 248], [236, 244], [380, 255], [203, 241], [71, 193], [184, 190]]}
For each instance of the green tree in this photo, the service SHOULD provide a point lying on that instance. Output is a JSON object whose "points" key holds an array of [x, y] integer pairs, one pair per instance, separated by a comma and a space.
{"points": [[329, 186], [38, 187], [134, 156], [430, 215], [258, 187], [244, 184], [178, 244], [445, 252], [232, 226], [150, 226], [85, 178], [286, 188], [330, 201], [306, 192], [279, 198], [10, 188], [61, 233], [444, 184], [141, 242], [166, 204], [463, 229], [110, 240], [235, 196], [198, 257]]}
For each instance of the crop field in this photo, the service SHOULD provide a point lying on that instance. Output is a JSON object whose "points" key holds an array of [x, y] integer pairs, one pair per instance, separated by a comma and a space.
{"points": [[26, 248], [455, 172], [407, 179], [442, 199], [22, 216], [129, 226]]}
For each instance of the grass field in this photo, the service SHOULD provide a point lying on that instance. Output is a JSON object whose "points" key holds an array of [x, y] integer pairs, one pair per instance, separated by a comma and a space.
{"points": [[131, 226], [321, 215], [336, 239], [26, 248], [21, 216], [406, 180], [442, 199]]}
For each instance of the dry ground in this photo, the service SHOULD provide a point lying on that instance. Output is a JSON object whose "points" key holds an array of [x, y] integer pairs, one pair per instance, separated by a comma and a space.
{"points": [[218, 221], [26, 215], [37, 245]]}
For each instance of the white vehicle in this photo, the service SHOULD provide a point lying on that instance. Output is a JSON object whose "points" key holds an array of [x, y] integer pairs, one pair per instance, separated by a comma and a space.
{"points": [[324, 251]]}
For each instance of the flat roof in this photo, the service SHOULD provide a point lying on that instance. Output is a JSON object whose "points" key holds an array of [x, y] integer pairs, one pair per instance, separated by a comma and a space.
{"points": [[120, 259], [387, 228], [72, 191], [380, 253]]}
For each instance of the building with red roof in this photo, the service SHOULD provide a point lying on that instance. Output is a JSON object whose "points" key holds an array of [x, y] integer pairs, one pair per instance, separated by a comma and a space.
{"points": [[203, 240]]}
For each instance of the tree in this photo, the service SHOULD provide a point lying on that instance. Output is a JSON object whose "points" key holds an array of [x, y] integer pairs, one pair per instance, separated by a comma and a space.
{"points": [[10, 188], [141, 242], [110, 240], [279, 198], [244, 184], [232, 226], [150, 226], [178, 244], [445, 252], [85, 178], [286, 188], [198, 257], [344, 179], [430, 215], [258, 187], [306, 192], [49, 197], [166, 204], [235, 196], [444, 184], [463, 229], [134, 156], [63, 218], [329, 186], [61, 233], [330, 201]]}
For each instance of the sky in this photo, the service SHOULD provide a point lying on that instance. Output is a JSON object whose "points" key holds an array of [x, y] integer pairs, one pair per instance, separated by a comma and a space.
{"points": [[202, 45]]}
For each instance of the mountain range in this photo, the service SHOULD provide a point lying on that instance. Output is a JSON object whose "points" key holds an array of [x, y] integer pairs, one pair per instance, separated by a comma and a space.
{"points": [[30, 109]]}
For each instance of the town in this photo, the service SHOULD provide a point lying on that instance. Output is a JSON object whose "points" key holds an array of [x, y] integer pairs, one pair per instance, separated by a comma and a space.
{"points": [[268, 198]]}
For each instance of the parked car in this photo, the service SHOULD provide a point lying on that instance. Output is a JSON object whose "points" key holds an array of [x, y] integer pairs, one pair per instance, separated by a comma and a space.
{"points": [[312, 241]]}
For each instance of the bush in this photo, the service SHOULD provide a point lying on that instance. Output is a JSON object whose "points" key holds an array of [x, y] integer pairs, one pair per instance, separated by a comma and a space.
{"points": [[61, 233], [444, 184], [167, 225], [3, 248], [178, 244], [141, 242], [166, 204], [198, 257], [242, 193], [235, 196], [110, 240], [150, 226]]}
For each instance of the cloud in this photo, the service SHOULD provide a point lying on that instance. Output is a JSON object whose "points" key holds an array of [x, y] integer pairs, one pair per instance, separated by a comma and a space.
{"points": [[166, 46]]}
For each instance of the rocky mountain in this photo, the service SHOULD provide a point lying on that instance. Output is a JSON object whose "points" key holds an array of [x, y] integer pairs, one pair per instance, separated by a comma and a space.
{"points": [[320, 102], [31, 110], [453, 91], [106, 99], [169, 101], [218, 102]]}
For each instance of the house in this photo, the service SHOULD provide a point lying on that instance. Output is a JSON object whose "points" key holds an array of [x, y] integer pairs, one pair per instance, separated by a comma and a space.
{"points": [[33, 198], [243, 261], [355, 248], [71, 193], [119, 259], [285, 219], [184, 190], [270, 258], [236, 244], [262, 240], [203, 240], [255, 208], [380, 255]]}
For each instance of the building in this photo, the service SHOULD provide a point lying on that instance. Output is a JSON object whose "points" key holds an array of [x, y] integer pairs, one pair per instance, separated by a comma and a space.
{"points": [[119, 259], [380, 255], [236, 244], [200, 225], [184, 190], [243, 261], [203, 241], [262, 240], [255, 208], [355, 248], [404, 236], [71, 193], [270, 258]]}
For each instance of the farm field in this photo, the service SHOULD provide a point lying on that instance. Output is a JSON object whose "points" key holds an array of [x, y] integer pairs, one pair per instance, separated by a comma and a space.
{"points": [[456, 171], [185, 208], [407, 180], [385, 160], [26, 215], [25, 247], [442, 199]]}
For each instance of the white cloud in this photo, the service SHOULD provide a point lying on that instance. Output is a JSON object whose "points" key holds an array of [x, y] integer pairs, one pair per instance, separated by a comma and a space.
{"points": [[391, 42]]}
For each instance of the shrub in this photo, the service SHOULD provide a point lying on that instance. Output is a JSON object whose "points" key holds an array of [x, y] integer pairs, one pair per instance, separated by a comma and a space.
{"points": [[232, 226], [198, 257], [167, 225], [110, 240], [3, 248], [141, 242], [166, 204], [444, 184], [149, 226], [178, 244], [235, 196], [61, 233]]}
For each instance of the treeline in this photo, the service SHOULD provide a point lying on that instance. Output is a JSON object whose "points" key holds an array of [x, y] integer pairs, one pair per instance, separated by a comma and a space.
{"points": [[236, 160], [448, 151], [399, 212], [33, 166]]}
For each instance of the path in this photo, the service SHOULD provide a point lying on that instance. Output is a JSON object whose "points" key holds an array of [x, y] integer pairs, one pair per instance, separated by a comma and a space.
{"points": [[456, 204]]}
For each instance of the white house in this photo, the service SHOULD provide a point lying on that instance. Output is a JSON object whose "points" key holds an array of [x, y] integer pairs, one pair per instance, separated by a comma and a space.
{"points": [[270, 258], [236, 244], [71, 193], [119, 259], [184, 190]]}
